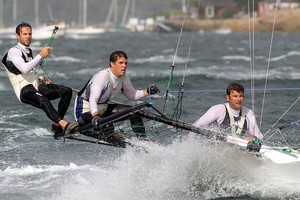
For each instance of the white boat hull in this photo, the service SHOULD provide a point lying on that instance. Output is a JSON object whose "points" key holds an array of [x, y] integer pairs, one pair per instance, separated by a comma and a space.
{"points": [[278, 155]]}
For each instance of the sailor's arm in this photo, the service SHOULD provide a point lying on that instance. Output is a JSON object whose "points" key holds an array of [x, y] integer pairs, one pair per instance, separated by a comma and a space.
{"points": [[214, 114], [130, 92], [253, 127], [15, 55]]}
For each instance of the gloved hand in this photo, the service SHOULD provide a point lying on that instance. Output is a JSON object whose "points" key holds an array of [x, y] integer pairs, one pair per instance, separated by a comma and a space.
{"points": [[96, 119], [152, 89], [254, 140], [257, 141]]}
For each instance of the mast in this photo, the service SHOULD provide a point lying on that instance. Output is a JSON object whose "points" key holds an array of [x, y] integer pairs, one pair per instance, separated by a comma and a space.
{"points": [[82, 19], [133, 9], [125, 12], [84, 7], [36, 12], [1, 13], [79, 12], [14, 11], [184, 6], [50, 12], [110, 12]]}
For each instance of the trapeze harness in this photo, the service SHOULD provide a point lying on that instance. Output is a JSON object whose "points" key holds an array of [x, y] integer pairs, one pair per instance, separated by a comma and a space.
{"points": [[17, 79], [82, 103], [238, 124]]}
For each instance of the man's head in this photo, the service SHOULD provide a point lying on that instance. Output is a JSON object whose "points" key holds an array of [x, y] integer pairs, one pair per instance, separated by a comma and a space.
{"points": [[235, 95], [24, 33], [118, 63]]}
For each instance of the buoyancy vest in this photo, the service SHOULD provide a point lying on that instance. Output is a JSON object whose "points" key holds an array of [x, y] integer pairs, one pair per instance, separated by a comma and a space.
{"points": [[238, 125], [17, 79]]}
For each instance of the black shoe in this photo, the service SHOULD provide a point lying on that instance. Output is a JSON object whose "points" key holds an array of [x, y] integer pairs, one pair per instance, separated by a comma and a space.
{"points": [[70, 129], [58, 135], [56, 128]]}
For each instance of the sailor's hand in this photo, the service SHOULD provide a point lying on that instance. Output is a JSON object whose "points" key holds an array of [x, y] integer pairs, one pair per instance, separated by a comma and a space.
{"points": [[152, 89], [253, 139], [45, 52], [95, 120], [45, 80]]}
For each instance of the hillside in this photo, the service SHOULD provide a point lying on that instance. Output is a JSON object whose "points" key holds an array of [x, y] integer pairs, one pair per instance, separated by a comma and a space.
{"points": [[286, 21]]}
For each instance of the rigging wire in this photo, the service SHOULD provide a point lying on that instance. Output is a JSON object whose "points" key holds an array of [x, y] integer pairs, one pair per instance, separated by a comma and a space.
{"points": [[51, 39], [177, 111], [165, 96], [251, 52], [269, 59], [282, 116], [215, 91]]}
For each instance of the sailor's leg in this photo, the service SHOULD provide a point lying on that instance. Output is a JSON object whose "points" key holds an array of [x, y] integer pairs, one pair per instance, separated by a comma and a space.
{"points": [[54, 91], [85, 118], [78, 107], [137, 125], [136, 122], [29, 95]]}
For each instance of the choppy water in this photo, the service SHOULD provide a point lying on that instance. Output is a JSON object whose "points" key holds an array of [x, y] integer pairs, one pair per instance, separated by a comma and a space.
{"points": [[35, 166]]}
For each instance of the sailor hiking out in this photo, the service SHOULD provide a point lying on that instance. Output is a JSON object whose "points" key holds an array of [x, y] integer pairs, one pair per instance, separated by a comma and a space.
{"points": [[20, 64], [93, 103]]}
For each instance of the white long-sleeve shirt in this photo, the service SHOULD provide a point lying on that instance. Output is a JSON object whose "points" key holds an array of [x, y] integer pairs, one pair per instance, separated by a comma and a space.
{"points": [[217, 114], [15, 55], [100, 90]]}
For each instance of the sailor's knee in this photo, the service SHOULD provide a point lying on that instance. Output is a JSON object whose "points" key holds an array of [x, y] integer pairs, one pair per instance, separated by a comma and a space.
{"points": [[66, 91]]}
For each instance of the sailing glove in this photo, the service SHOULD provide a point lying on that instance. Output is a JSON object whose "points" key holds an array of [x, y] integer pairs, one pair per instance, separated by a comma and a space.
{"points": [[152, 89], [96, 119]]}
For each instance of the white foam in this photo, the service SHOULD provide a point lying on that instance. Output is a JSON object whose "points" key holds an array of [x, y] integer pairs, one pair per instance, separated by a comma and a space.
{"points": [[246, 58], [87, 71], [66, 59], [283, 57], [161, 59], [32, 170], [179, 171]]}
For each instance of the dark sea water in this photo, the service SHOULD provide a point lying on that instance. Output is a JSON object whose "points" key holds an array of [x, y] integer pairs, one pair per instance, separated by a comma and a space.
{"points": [[33, 166]]}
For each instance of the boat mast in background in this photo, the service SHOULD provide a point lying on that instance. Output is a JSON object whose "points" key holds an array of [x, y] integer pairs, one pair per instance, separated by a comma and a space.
{"points": [[84, 13], [14, 11], [1, 13], [36, 13], [184, 9], [125, 13]]}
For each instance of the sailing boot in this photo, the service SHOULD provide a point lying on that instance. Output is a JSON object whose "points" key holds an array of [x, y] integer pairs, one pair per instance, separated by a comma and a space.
{"points": [[57, 130], [138, 127], [70, 129]]}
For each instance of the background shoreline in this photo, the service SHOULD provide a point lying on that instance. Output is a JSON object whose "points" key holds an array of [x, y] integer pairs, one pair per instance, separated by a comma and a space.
{"points": [[285, 21]]}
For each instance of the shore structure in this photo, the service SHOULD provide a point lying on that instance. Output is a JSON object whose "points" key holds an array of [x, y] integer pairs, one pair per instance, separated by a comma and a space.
{"points": [[285, 21]]}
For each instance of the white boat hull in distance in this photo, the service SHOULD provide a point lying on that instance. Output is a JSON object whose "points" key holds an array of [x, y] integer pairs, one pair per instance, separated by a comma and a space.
{"points": [[85, 31], [278, 155], [45, 32]]}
